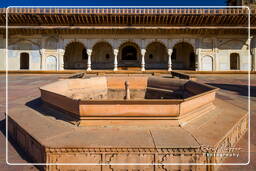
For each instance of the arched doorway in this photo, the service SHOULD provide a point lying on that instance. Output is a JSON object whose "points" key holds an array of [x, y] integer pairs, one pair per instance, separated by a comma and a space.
{"points": [[129, 55], [156, 56], [234, 61], [102, 56], [183, 56], [207, 63], [24, 61], [51, 63], [75, 56]]}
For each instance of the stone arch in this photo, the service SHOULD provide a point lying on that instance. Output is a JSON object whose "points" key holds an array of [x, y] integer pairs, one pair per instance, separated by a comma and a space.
{"points": [[231, 44], [156, 56], [188, 41], [75, 56], [129, 54], [51, 43], [97, 41], [102, 55], [150, 41], [183, 56], [69, 41], [24, 45], [51, 63], [20, 41], [207, 63], [234, 61]]}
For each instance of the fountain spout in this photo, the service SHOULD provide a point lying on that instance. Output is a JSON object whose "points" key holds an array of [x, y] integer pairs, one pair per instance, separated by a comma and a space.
{"points": [[127, 91]]}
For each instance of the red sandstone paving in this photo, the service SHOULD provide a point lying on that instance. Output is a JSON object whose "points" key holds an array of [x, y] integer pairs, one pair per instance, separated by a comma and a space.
{"points": [[19, 85], [238, 96], [233, 88]]}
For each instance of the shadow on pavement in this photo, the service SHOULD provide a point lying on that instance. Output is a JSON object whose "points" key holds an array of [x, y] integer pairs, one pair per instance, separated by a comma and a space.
{"points": [[49, 110], [239, 89]]}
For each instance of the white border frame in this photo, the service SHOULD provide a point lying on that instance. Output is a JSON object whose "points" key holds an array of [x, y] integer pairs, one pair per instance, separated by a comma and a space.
{"points": [[104, 164]]}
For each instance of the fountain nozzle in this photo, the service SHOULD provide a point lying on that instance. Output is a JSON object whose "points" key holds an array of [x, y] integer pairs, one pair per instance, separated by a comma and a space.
{"points": [[127, 91]]}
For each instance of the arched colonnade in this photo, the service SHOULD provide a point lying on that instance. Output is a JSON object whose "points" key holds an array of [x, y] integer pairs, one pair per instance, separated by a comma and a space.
{"points": [[155, 55]]}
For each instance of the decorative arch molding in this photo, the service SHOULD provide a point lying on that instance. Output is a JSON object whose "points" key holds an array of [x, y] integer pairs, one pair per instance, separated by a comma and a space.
{"points": [[52, 37], [51, 43], [69, 41], [102, 42], [130, 43], [221, 43], [209, 55], [162, 42], [174, 42], [96, 41], [120, 42], [25, 41]]}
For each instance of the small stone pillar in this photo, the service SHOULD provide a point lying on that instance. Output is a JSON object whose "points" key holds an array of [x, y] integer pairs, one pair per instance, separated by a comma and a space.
{"points": [[115, 59], [127, 91], [253, 53], [197, 64], [43, 59], [143, 52], [254, 60], [61, 59], [169, 59], [89, 62]]}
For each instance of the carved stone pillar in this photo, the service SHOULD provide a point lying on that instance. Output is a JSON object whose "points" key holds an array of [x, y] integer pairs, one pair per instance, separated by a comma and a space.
{"points": [[169, 59], [254, 60], [61, 59], [143, 52], [43, 59], [115, 60], [89, 60], [253, 53], [197, 56]]}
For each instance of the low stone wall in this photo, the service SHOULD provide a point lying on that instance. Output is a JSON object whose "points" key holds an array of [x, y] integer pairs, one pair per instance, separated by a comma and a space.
{"points": [[104, 159], [33, 148], [163, 96]]}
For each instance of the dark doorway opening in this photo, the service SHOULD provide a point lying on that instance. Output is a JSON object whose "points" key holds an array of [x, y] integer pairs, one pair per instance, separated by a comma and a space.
{"points": [[75, 56], [24, 61], [234, 61], [183, 56], [129, 53]]}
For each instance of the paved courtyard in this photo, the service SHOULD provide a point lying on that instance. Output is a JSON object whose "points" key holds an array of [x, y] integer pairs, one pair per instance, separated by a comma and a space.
{"points": [[233, 88]]}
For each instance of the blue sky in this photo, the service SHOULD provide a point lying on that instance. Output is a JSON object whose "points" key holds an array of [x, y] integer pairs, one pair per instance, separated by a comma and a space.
{"points": [[6, 3]]}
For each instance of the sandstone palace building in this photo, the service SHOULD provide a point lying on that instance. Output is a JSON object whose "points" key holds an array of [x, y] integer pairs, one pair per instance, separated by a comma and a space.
{"points": [[124, 38]]}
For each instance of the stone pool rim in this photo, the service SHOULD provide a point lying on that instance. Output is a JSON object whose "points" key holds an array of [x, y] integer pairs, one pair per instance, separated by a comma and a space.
{"points": [[172, 108]]}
